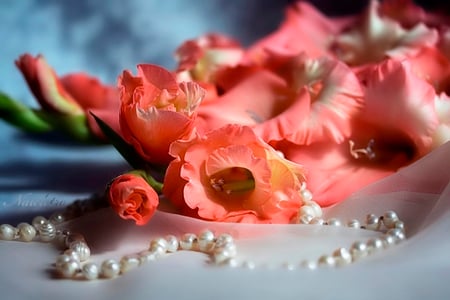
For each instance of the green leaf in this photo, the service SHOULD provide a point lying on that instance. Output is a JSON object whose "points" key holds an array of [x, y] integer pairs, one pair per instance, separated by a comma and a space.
{"points": [[22, 116], [126, 150]]}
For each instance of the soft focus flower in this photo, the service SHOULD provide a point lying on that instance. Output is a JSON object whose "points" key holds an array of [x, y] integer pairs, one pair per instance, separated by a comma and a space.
{"points": [[75, 94], [202, 57], [433, 66], [326, 96], [373, 37], [304, 29], [442, 132], [156, 110], [394, 128], [131, 197], [231, 175], [409, 14], [397, 100], [295, 98]]}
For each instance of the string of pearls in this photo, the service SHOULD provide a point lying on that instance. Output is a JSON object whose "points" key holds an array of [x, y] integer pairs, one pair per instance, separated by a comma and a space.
{"points": [[74, 262]]}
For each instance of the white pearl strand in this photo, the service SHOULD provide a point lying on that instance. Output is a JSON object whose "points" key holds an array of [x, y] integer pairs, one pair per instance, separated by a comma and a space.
{"points": [[73, 262]]}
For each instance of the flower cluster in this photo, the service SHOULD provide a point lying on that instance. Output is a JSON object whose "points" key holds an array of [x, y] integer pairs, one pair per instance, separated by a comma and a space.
{"points": [[236, 132]]}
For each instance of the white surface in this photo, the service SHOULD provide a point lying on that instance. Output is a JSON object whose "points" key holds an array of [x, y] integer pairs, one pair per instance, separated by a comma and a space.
{"points": [[416, 269]]}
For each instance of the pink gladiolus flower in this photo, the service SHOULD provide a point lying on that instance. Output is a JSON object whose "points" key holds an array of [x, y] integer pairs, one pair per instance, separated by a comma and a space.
{"points": [[203, 56], [300, 99], [231, 175], [156, 110], [395, 128], [304, 29], [73, 94], [396, 99], [442, 132], [131, 197], [432, 65], [374, 37]]}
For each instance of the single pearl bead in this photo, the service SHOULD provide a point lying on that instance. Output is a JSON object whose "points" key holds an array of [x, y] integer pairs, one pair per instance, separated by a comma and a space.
{"points": [[326, 261], [397, 233], [187, 241], [342, 256], [248, 264], [7, 232], [73, 254], [374, 245], [289, 266], [232, 263], [206, 241], [159, 246], [146, 256], [306, 195], [317, 210], [57, 218], [358, 250], [317, 221], [354, 224], [399, 224], [389, 218], [309, 264], [307, 210], [224, 239], [110, 268], [305, 219], [388, 240], [68, 268], [47, 231], [334, 222], [38, 221], [26, 232], [63, 258], [82, 249], [90, 271], [172, 243], [372, 222], [128, 263], [224, 253]]}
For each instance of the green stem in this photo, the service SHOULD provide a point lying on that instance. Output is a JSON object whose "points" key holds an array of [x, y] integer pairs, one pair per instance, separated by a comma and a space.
{"points": [[21, 116], [156, 185]]}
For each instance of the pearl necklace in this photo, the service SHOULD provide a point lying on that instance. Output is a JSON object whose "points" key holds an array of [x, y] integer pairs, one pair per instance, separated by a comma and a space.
{"points": [[73, 262]]}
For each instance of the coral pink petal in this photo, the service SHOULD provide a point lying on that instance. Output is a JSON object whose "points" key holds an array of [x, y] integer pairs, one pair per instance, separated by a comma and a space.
{"points": [[402, 101], [255, 100]]}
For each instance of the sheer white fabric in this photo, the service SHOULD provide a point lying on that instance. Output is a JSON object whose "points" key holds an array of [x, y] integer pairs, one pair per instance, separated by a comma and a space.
{"points": [[415, 269]]}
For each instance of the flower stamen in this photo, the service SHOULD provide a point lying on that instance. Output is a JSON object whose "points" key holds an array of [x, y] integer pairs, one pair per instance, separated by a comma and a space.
{"points": [[220, 185], [233, 180], [362, 152]]}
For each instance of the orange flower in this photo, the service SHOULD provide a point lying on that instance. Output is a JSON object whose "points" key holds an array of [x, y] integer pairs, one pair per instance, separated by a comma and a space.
{"points": [[74, 94], [156, 110], [231, 175], [131, 197]]}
